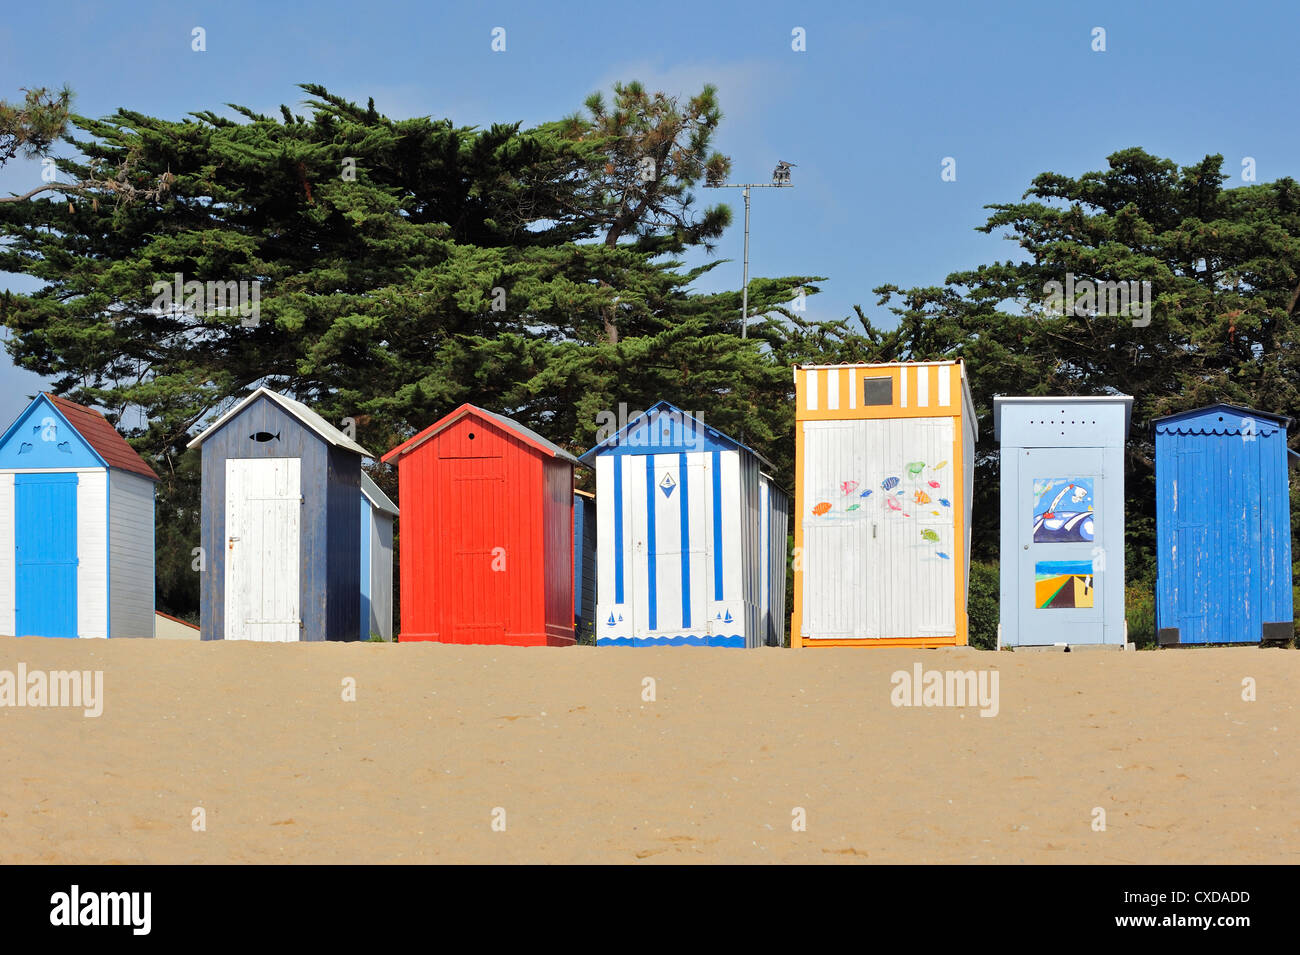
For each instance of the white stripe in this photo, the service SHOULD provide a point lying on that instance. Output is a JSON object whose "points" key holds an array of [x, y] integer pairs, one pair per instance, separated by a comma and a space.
{"points": [[902, 387], [832, 389], [810, 387], [853, 387], [945, 386], [923, 386]]}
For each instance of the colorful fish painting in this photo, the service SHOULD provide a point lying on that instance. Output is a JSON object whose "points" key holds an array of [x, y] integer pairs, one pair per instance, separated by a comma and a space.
{"points": [[940, 466], [893, 505], [921, 498], [915, 467], [943, 555], [889, 483], [852, 507], [866, 493], [848, 487], [934, 484], [936, 513], [821, 508], [930, 535]]}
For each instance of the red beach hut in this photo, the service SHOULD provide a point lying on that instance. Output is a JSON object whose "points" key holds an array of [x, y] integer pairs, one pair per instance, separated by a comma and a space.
{"points": [[487, 533]]}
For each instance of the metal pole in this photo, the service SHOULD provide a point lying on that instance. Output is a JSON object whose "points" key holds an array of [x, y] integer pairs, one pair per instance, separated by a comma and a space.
{"points": [[744, 294]]}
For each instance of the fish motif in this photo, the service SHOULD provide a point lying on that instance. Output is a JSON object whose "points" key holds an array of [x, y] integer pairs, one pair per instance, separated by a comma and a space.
{"points": [[915, 467], [848, 487], [930, 535], [889, 483], [821, 508], [852, 507], [866, 493], [936, 513], [262, 437], [921, 498], [943, 555], [941, 464], [934, 484], [945, 502], [893, 505]]}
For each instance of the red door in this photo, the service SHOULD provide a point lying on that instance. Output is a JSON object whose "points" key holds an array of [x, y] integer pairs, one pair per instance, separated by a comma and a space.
{"points": [[479, 574]]}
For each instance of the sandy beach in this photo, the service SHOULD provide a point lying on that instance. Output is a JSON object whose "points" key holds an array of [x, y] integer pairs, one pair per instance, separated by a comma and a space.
{"points": [[439, 737]]}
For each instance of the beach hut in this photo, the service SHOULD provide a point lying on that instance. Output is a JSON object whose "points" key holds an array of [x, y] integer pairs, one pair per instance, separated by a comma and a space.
{"points": [[76, 526], [1223, 527], [584, 564], [281, 529], [680, 552], [884, 462], [377, 515], [774, 517], [487, 533], [1062, 539]]}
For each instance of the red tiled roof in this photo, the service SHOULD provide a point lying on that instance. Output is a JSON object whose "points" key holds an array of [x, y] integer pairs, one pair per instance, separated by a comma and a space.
{"points": [[103, 437]]}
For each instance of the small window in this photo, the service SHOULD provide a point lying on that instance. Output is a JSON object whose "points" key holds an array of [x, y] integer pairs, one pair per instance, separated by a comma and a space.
{"points": [[877, 391]]}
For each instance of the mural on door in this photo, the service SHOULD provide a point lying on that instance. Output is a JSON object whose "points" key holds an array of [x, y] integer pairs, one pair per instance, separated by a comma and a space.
{"points": [[914, 490], [1063, 583], [1063, 510]]}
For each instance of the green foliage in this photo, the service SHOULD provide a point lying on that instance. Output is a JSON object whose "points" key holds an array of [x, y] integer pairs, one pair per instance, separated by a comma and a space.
{"points": [[1140, 613], [982, 611], [31, 128], [404, 267], [1224, 266]]}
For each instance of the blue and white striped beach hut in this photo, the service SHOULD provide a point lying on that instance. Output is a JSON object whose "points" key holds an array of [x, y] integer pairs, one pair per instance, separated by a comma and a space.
{"points": [[684, 529]]}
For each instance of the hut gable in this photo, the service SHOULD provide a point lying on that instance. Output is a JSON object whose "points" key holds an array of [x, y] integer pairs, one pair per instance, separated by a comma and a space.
{"points": [[56, 433]]}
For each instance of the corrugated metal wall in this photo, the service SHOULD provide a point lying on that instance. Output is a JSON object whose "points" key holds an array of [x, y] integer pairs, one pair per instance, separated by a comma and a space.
{"points": [[131, 554]]}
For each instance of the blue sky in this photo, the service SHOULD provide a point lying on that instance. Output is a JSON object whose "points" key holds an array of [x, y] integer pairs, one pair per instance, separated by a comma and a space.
{"points": [[882, 94]]}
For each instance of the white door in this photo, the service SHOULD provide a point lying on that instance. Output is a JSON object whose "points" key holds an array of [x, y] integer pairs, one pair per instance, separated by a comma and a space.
{"points": [[670, 524], [878, 529], [263, 517]]}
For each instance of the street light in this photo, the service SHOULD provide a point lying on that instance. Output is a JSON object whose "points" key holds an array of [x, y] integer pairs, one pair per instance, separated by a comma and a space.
{"points": [[780, 180]]}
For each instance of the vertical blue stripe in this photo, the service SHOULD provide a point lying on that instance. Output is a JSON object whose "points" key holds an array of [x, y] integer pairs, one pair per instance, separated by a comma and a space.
{"points": [[650, 555], [717, 525], [683, 484], [618, 528]]}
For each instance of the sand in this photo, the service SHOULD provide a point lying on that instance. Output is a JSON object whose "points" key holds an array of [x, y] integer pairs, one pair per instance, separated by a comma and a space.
{"points": [[439, 737]]}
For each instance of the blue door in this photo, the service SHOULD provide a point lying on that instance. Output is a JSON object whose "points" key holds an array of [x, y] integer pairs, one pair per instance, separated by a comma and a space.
{"points": [[45, 535]]}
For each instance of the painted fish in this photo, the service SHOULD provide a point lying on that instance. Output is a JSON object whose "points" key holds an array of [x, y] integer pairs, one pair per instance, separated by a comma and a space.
{"points": [[866, 493], [889, 483], [848, 487], [941, 464], [264, 436], [893, 505], [945, 502], [943, 555], [930, 535], [915, 467], [936, 513], [821, 509], [921, 498], [934, 484], [852, 507]]}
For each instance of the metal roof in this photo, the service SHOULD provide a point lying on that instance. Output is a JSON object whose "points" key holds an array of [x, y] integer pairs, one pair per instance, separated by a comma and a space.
{"points": [[378, 499]]}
